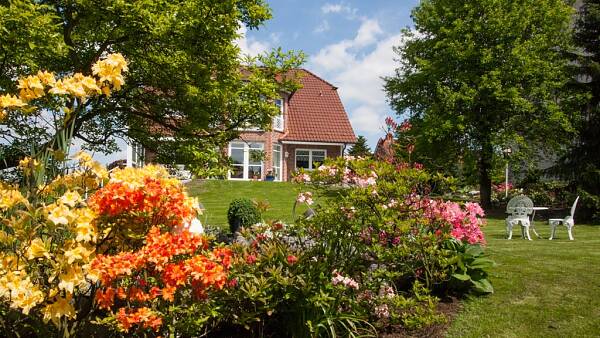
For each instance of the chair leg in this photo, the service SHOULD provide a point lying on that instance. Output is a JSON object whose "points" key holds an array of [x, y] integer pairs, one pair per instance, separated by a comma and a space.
{"points": [[569, 230], [509, 229], [527, 230], [552, 229]]}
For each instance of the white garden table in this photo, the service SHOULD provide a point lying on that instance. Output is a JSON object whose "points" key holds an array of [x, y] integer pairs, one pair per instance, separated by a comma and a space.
{"points": [[533, 217]]}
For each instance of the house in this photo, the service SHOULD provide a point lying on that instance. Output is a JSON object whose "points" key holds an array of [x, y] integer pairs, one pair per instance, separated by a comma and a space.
{"points": [[312, 126]]}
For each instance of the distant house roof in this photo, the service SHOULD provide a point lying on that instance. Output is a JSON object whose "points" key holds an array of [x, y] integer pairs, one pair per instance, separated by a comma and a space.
{"points": [[316, 113]]}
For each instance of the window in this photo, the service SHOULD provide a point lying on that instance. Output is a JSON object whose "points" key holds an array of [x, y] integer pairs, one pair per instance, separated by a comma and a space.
{"points": [[247, 160], [309, 159], [277, 161], [138, 154], [278, 120]]}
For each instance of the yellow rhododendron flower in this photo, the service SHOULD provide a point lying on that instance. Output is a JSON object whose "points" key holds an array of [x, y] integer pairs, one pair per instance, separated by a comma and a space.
{"points": [[110, 70], [135, 177], [10, 198], [28, 162], [106, 91], [90, 84], [24, 295], [46, 78], [72, 278], [3, 115], [11, 101], [61, 308], [31, 87], [85, 229], [37, 249], [59, 88], [78, 253], [71, 198], [60, 214], [74, 85]]}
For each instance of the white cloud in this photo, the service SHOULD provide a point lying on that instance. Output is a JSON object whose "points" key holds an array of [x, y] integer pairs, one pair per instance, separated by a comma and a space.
{"points": [[322, 27], [251, 46], [367, 33], [339, 8], [339, 55], [357, 66]]}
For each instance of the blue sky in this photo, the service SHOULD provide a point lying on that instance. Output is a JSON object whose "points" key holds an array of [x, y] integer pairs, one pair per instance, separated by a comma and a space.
{"points": [[348, 43]]}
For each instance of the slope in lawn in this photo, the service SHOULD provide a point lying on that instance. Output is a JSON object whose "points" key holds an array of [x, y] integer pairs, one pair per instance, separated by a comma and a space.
{"points": [[216, 195]]}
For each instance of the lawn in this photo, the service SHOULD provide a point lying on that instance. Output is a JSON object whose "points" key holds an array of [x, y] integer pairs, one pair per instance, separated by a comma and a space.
{"points": [[542, 288], [215, 196]]}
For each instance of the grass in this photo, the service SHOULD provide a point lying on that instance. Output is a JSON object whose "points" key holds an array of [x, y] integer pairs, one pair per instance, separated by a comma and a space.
{"points": [[542, 288], [216, 195]]}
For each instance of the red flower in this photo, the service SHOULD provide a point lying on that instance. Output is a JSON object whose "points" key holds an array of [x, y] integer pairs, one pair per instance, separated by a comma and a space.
{"points": [[291, 259], [232, 283], [251, 259]]}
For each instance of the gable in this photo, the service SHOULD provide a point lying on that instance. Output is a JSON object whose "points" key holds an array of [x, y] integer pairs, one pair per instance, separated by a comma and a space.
{"points": [[316, 113]]}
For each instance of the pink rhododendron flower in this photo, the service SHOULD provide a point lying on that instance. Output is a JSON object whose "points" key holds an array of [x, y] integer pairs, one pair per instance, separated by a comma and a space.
{"points": [[382, 311], [391, 123], [305, 197], [301, 178], [465, 224], [345, 281], [405, 126]]}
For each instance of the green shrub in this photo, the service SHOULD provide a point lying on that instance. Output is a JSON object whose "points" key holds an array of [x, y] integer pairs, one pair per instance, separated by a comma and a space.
{"points": [[242, 213]]}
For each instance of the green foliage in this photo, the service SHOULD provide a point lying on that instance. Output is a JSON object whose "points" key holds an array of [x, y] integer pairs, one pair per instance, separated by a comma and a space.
{"points": [[30, 36], [581, 165], [472, 266], [360, 148], [242, 213], [549, 193], [474, 78]]}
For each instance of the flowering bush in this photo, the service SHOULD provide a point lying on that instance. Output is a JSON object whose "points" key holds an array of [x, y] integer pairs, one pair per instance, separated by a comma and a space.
{"points": [[124, 254], [395, 237]]}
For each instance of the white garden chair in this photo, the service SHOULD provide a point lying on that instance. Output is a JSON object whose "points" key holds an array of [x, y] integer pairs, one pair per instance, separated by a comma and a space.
{"points": [[518, 209], [568, 221]]}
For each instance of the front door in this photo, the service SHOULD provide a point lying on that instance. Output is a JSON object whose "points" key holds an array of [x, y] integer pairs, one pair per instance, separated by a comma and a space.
{"points": [[247, 160]]}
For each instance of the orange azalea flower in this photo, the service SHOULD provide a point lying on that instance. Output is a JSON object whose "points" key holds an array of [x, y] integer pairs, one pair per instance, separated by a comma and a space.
{"points": [[168, 293], [121, 294], [105, 299], [154, 292], [142, 316]]}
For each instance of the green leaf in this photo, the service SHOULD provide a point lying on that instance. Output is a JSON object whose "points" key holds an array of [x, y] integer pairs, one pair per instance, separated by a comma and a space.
{"points": [[483, 286], [481, 263], [462, 277]]}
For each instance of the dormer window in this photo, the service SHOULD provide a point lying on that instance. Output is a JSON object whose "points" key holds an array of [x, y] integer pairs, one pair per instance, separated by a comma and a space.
{"points": [[278, 120]]}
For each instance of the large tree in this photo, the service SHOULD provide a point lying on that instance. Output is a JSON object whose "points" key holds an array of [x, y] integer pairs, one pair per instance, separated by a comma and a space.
{"points": [[581, 164], [185, 74], [479, 75]]}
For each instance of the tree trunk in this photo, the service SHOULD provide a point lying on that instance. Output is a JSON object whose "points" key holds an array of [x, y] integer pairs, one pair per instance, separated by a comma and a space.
{"points": [[484, 166]]}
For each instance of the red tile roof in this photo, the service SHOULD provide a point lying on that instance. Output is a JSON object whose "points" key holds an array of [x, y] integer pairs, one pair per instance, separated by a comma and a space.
{"points": [[316, 113]]}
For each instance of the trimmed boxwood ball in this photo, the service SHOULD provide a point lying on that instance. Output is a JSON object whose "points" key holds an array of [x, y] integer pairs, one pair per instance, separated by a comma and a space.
{"points": [[242, 213]]}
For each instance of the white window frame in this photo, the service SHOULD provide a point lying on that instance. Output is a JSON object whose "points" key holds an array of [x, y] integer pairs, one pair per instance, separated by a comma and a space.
{"points": [[280, 164], [310, 157], [136, 154], [246, 161], [278, 121]]}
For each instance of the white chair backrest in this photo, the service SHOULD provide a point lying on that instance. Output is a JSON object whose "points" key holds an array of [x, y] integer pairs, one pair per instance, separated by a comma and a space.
{"points": [[574, 206], [520, 206]]}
